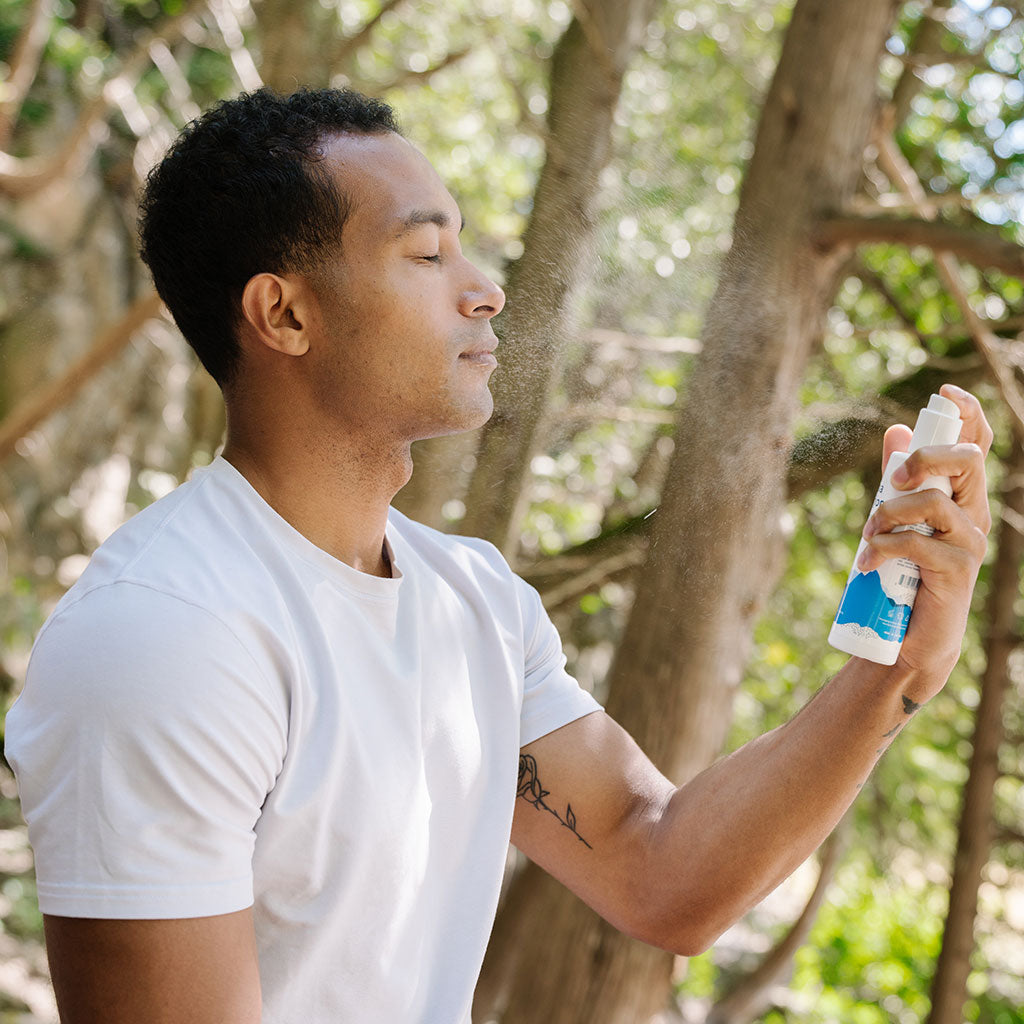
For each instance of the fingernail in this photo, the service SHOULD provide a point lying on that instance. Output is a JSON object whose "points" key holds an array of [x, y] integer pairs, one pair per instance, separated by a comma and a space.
{"points": [[958, 390], [862, 560], [900, 476]]}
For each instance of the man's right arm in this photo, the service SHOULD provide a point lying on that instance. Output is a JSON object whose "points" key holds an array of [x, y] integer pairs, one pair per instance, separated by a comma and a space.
{"points": [[145, 743], [199, 970]]}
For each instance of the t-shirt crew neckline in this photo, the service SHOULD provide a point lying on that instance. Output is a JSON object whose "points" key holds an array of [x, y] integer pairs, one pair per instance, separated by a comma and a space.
{"points": [[334, 569]]}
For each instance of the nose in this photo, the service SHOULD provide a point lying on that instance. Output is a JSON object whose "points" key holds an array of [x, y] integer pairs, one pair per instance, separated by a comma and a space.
{"points": [[482, 298]]}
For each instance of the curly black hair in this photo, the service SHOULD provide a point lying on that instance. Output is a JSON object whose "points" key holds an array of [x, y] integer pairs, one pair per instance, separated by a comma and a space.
{"points": [[241, 192]]}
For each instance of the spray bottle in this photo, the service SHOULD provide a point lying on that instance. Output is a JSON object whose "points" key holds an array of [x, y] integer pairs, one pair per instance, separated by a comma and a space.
{"points": [[875, 607]]}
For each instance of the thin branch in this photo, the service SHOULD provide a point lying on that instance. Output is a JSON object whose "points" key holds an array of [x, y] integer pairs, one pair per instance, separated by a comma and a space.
{"points": [[900, 172], [24, 64], [923, 61], [409, 76], [349, 44], [602, 571], [927, 37], [527, 119], [231, 32], [983, 250], [880, 285], [50, 397], [168, 66], [1013, 519], [23, 177], [848, 439], [863, 205], [749, 996], [1008, 835]]}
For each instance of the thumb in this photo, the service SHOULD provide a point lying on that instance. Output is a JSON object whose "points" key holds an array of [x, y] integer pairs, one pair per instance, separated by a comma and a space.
{"points": [[897, 439]]}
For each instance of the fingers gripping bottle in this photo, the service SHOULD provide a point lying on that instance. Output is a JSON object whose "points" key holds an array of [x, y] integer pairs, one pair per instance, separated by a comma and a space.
{"points": [[875, 607]]}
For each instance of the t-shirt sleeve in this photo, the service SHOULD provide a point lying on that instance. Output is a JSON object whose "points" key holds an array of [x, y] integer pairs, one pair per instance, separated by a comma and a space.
{"points": [[551, 697], [144, 744]]}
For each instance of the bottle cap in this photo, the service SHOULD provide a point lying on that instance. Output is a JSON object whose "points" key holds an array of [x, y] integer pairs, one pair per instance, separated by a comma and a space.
{"points": [[939, 423]]}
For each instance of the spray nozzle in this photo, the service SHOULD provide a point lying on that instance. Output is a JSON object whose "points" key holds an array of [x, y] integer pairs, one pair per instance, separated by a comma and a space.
{"points": [[938, 423]]}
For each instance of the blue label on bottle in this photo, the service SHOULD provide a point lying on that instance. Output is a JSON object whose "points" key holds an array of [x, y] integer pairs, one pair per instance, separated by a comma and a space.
{"points": [[865, 603]]}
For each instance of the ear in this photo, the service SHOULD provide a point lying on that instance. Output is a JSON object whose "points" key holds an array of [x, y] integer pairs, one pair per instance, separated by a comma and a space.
{"points": [[277, 309]]}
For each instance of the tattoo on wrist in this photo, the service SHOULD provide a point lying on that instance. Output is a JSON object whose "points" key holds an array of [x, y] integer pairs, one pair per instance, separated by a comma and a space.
{"points": [[531, 790], [909, 707]]}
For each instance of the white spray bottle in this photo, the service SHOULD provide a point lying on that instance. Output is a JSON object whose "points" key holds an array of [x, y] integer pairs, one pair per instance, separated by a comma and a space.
{"points": [[875, 607]]}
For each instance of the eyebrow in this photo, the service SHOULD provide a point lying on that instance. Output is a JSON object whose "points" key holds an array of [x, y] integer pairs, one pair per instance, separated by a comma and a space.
{"points": [[418, 217]]}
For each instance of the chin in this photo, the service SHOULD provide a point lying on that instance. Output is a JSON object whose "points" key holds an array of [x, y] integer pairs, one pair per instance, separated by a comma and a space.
{"points": [[467, 416], [483, 413]]}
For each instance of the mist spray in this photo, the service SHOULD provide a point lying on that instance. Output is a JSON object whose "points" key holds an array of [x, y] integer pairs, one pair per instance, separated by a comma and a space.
{"points": [[875, 608]]}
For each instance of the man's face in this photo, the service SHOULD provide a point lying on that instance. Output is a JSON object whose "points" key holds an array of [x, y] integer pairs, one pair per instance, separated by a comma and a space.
{"points": [[403, 347]]}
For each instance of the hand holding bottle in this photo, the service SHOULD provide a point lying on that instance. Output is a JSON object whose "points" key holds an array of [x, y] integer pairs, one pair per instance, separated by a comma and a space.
{"points": [[949, 560]]}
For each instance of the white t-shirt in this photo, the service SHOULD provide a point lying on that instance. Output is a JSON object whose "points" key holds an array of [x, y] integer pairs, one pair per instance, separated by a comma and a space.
{"points": [[219, 714]]}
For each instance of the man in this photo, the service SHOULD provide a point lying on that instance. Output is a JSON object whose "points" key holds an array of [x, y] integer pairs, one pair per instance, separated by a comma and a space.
{"points": [[267, 745]]}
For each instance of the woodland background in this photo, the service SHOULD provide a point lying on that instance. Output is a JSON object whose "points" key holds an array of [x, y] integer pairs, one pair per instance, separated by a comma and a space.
{"points": [[739, 239]]}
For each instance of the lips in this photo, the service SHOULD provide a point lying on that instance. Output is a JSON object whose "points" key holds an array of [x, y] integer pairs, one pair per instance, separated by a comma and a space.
{"points": [[481, 357], [485, 348], [482, 354]]}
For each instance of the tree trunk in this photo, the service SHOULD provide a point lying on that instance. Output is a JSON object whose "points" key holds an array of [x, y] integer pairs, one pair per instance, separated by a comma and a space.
{"points": [[688, 636], [949, 986], [289, 45], [586, 77]]}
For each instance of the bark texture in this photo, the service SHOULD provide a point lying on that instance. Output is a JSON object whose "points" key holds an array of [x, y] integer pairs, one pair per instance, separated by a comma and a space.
{"points": [[292, 41], [714, 546], [949, 986], [586, 77]]}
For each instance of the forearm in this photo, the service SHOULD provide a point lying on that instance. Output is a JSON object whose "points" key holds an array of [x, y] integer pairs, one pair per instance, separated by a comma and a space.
{"points": [[724, 840]]}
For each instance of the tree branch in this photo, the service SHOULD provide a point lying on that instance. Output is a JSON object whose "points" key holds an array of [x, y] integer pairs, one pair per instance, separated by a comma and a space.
{"points": [[23, 177], [231, 32], [1013, 519], [983, 250], [876, 281], [595, 37], [928, 37], [348, 45], [895, 203], [849, 442], [1005, 834], [599, 572], [750, 995], [168, 66], [408, 76], [50, 397], [896, 166], [24, 65]]}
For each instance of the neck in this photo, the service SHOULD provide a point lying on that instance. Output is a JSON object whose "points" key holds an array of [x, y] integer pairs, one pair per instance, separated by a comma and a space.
{"points": [[334, 490]]}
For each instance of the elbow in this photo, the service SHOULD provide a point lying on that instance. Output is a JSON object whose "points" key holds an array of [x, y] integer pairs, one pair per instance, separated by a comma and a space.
{"points": [[686, 932], [686, 920], [692, 944], [697, 941], [689, 941]]}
